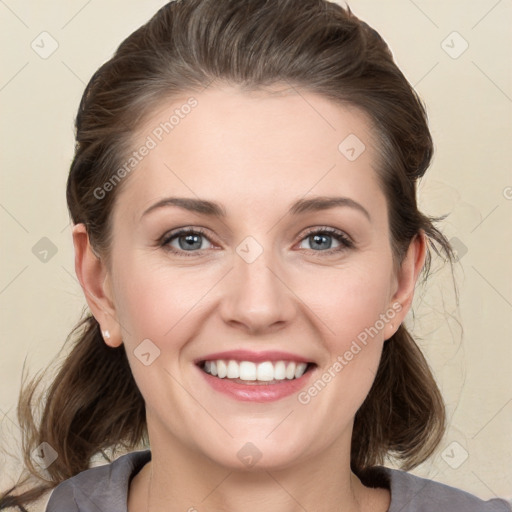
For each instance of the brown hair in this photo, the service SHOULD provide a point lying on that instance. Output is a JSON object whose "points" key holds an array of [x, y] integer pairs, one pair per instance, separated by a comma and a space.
{"points": [[312, 44]]}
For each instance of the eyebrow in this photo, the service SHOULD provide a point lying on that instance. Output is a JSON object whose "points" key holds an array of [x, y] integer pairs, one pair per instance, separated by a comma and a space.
{"points": [[301, 206]]}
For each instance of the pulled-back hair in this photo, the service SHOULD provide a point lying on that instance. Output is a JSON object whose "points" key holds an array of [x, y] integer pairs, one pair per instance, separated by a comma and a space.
{"points": [[93, 404]]}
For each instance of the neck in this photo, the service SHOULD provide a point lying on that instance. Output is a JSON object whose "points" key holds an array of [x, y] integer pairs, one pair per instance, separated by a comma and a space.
{"points": [[179, 480], [272, 491]]}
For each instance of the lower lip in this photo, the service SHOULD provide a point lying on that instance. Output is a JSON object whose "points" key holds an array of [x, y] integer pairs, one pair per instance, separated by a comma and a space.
{"points": [[257, 392]]}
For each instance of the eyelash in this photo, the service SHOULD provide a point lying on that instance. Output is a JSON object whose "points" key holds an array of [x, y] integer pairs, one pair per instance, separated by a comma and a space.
{"points": [[345, 242]]}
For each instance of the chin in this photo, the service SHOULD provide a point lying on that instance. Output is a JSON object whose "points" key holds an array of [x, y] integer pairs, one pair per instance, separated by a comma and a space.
{"points": [[256, 455]]}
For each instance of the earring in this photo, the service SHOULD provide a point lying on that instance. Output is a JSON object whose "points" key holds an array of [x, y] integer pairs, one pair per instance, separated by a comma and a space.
{"points": [[106, 334]]}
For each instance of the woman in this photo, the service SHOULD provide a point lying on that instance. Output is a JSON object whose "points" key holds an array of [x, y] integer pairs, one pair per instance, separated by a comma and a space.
{"points": [[248, 241]]}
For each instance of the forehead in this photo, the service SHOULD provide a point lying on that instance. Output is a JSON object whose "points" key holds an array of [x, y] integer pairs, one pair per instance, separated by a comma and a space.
{"points": [[252, 149]]}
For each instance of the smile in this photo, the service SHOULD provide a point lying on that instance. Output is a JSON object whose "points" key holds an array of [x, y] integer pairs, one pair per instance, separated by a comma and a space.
{"points": [[249, 371]]}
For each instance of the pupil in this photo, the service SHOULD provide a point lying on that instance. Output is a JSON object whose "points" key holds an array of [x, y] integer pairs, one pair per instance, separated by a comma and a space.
{"points": [[190, 241], [318, 239]]}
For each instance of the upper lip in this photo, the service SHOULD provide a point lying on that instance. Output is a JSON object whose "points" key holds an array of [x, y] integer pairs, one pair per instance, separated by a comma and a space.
{"points": [[256, 357]]}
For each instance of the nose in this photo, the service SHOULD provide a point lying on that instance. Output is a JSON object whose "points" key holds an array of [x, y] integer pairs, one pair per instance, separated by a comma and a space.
{"points": [[257, 298]]}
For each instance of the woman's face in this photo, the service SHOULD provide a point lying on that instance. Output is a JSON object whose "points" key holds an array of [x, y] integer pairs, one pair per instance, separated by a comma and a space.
{"points": [[272, 277]]}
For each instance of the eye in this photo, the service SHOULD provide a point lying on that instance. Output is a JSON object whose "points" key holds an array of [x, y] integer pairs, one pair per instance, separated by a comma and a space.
{"points": [[188, 241], [321, 240], [185, 241]]}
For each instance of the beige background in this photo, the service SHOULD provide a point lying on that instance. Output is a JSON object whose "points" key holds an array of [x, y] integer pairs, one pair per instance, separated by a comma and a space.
{"points": [[469, 100]]}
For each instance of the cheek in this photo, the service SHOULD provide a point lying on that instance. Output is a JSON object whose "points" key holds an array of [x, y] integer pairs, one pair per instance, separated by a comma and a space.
{"points": [[152, 298], [159, 304], [162, 304], [347, 302], [352, 308]]}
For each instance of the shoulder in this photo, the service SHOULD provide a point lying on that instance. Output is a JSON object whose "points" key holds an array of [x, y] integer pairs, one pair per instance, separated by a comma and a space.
{"points": [[100, 488], [411, 493]]}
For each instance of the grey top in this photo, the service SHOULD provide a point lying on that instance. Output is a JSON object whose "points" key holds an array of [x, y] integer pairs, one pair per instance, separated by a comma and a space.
{"points": [[105, 488]]}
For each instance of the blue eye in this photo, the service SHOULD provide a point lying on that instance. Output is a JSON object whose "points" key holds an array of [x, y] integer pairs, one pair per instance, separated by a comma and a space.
{"points": [[188, 242], [321, 240]]}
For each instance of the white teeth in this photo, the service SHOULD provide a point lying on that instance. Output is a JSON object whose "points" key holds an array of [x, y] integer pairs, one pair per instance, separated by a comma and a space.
{"points": [[265, 371], [248, 370], [299, 371], [233, 370], [280, 370], [222, 369], [290, 371]]}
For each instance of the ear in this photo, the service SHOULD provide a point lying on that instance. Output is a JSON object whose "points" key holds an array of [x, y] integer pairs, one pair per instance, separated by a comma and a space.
{"points": [[405, 280], [94, 279]]}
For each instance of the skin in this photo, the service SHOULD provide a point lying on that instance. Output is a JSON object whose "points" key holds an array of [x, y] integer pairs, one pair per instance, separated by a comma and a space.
{"points": [[255, 154]]}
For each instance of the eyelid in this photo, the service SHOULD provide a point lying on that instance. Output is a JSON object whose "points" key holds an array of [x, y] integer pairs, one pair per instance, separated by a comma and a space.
{"points": [[174, 233], [329, 230], [343, 239]]}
